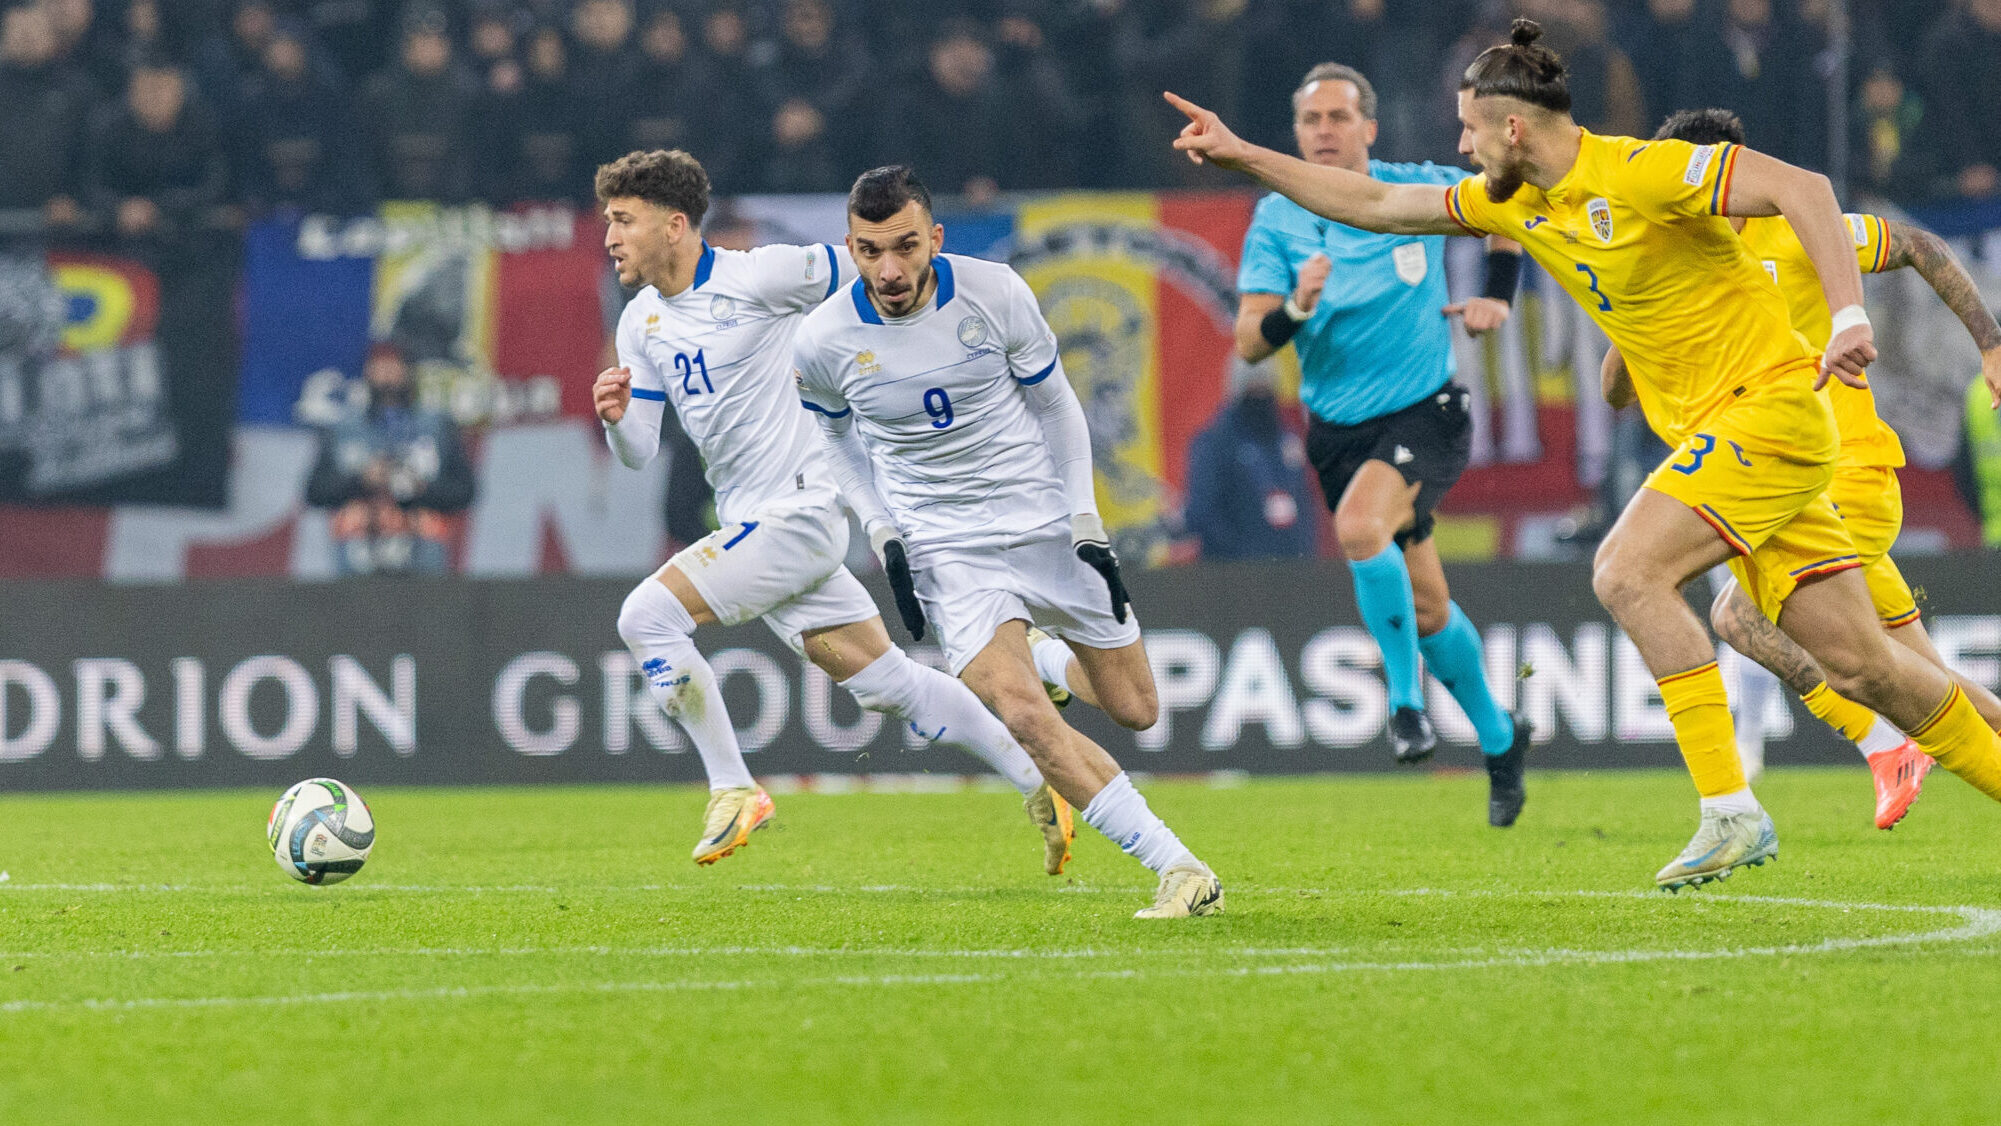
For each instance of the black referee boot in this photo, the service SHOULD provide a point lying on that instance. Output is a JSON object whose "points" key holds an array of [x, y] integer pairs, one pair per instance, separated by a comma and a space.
{"points": [[1411, 736], [1505, 793]]}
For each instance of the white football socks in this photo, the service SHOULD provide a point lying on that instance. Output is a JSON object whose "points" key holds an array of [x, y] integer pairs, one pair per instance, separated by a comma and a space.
{"points": [[1122, 814], [1743, 801], [1052, 662], [943, 709], [1881, 738], [658, 630]]}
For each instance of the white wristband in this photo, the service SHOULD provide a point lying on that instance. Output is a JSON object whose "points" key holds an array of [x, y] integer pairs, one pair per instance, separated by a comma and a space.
{"points": [[1298, 315], [1847, 317]]}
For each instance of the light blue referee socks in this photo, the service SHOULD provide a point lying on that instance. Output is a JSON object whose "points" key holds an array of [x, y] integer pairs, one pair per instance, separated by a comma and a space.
{"points": [[1382, 591], [1453, 655]]}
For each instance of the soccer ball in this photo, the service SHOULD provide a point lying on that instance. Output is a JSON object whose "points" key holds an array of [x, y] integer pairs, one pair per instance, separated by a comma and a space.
{"points": [[320, 831]]}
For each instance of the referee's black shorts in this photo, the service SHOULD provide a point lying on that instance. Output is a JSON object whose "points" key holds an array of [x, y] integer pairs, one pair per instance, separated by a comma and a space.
{"points": [[1428, 442]]}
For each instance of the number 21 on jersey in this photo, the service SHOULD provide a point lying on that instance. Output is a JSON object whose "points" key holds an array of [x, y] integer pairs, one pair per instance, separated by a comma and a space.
{"points": [[688, 367]]}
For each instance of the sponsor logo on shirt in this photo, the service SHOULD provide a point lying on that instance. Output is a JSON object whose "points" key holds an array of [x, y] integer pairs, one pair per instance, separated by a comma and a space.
{"points": [[652, 323], [1532, 224], [865, 363], [1698, 165]]}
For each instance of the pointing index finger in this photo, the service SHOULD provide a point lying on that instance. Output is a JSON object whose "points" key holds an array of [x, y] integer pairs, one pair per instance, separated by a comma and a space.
{"points": [[1193, 111]]}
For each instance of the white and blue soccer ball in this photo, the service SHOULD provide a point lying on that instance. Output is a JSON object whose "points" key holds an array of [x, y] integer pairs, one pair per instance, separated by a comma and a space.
{"points": [[320, 831]]}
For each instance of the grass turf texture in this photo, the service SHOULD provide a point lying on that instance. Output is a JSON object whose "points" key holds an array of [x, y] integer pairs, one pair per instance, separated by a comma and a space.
{"points": [[551, 955]]}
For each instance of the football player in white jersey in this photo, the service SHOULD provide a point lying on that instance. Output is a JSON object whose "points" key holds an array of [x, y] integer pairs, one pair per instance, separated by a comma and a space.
{"points": [[712, 331], [956, 437]]}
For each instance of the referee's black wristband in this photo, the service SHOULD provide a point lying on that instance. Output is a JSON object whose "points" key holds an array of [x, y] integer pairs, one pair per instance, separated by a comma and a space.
{"points": [[1278, 327], [1504, 273]]}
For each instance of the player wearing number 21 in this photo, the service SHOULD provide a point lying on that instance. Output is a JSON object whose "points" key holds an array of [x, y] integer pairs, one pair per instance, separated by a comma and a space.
{"points": [[1637, 232], [711, 332], [956, 437]]}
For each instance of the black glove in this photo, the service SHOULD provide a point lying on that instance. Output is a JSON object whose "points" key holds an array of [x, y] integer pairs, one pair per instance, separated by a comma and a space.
{"points": [[1087, 536], [896, 564]]}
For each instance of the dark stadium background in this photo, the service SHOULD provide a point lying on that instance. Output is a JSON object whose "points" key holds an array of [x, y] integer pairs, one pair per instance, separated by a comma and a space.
{"points": [[336, 175]]}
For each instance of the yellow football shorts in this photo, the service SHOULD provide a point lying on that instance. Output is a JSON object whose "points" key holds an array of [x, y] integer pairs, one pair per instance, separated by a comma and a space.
{"points": [[1758, 473], [1871, 504]]}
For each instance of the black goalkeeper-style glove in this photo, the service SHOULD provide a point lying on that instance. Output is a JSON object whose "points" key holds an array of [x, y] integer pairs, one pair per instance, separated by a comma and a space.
{"points": [[1094, 547], [896, 564]]}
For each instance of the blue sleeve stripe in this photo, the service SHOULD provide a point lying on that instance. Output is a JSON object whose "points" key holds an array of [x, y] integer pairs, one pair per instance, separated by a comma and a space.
{"points": [[842, 413], [1719, 196], [649, 396], [833, 271], [1038, 376]]}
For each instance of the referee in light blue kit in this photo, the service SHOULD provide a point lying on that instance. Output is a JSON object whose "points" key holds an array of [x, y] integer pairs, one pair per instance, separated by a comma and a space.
{"points": [[1389, 431]]}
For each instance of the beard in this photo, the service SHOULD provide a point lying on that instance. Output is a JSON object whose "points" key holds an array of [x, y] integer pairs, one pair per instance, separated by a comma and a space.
{"points": [[1505, 178], [907, 292]]}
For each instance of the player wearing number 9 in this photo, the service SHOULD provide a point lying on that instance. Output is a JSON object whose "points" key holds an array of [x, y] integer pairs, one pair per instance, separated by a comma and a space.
{"points": [[710, 332], [954, 433]]}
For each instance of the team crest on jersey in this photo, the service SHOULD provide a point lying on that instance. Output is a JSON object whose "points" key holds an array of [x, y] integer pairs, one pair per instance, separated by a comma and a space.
{"points": [[1601, 218], [721, 308], [866, 364], [973, 332], [1410, 262]]}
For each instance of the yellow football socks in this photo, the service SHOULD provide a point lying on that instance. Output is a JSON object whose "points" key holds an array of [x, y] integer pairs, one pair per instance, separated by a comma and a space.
{"points": [[1961, 741], [1699, 708], [1851, 719]]}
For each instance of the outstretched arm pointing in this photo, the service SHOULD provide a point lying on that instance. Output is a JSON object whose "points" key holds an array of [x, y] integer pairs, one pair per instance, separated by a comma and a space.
{"points": [[1338, 194]]}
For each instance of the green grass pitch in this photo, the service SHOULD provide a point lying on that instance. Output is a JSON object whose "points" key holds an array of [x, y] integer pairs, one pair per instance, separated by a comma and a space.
{"points": [[552, 956]]}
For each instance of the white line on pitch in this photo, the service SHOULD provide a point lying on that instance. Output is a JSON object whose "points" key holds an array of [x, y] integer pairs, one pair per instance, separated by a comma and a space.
{"points": [[1976, 923], [1020, 953]]}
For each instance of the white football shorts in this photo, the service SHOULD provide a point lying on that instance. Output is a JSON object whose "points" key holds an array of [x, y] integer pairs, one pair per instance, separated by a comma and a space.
{"points": [[783, 564], [968, 593]]}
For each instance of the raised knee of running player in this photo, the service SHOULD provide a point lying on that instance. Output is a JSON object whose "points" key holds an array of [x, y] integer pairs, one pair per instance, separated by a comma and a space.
{"points": [[636, 615], [1362, 535], [1121, 682], [1621, 584], [1371, 512]]}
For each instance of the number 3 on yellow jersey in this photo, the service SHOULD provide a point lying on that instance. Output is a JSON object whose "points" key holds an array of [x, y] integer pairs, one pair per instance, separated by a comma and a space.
{"points": [[1698, 448]]}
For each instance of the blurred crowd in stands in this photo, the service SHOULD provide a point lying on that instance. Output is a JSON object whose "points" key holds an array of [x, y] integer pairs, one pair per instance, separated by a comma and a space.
{"points": [[139, 114]]}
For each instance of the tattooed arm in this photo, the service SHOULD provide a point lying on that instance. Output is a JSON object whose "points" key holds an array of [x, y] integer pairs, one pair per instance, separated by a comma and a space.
{"points": [[1928, 254]]}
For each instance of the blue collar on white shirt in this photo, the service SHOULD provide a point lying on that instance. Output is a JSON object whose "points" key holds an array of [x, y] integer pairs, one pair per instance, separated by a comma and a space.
{"points": [[866, 309]]}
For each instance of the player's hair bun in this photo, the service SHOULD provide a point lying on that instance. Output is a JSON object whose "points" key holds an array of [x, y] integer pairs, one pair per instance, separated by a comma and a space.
{"points": [[1520, 68]]}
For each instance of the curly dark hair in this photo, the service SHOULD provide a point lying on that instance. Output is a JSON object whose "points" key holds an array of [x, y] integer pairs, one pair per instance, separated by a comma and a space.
{"points": [[668, 177], [1521, 69], [1702, 127]]}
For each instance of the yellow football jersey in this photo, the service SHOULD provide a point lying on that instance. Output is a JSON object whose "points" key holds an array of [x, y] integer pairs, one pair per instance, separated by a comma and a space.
{"points": [[1634, 231], [1865, 439]]}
